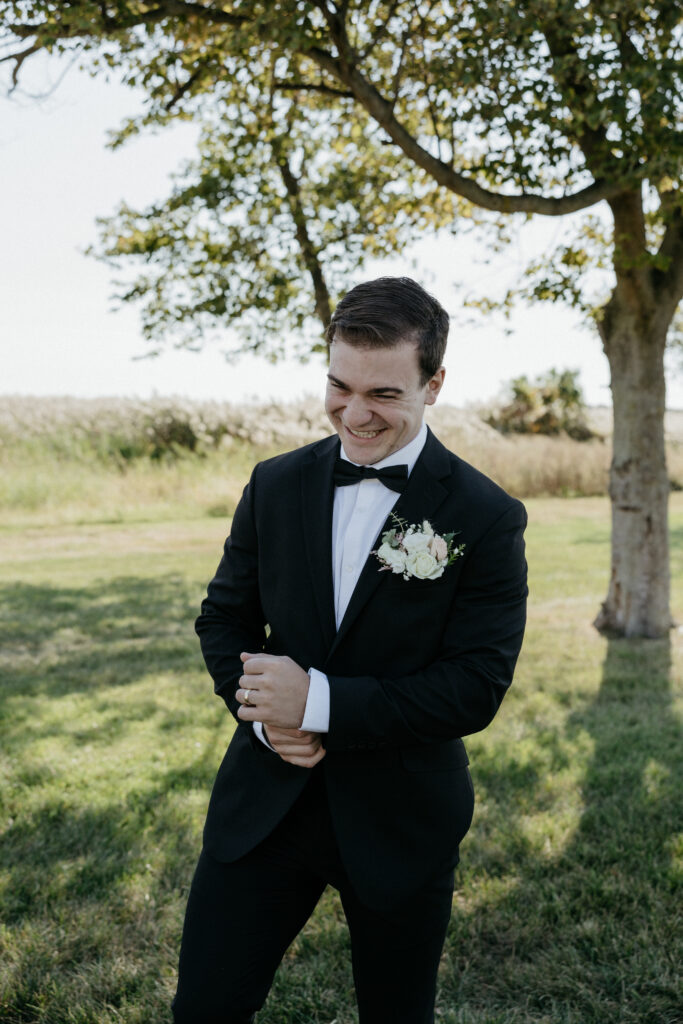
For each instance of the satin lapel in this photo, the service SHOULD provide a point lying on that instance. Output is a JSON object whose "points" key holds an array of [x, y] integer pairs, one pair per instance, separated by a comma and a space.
{"points": [[317, 496], [420, 500]]}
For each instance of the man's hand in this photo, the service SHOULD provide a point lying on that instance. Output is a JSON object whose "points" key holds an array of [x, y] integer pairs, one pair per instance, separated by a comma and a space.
{"points": [[273, 690], [301, 748]]}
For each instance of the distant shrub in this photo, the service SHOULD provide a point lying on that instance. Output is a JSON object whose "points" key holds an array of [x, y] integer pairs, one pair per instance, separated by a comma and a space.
{"points": [[551, 405]]}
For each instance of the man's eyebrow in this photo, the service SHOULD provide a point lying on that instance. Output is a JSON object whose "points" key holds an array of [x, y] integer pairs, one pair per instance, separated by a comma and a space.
{"points": [[371, 391]]}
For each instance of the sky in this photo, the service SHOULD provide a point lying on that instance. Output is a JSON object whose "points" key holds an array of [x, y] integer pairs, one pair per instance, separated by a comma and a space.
{"points": [[59, 333]]}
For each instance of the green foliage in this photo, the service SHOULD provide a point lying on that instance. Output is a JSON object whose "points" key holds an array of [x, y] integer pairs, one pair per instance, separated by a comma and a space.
{"points": [[551, 404], [334, 132], [251, 223]]}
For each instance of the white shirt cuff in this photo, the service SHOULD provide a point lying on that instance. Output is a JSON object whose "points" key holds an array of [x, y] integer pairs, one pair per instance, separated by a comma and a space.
{"points": [[317, 712], [258, 729]]}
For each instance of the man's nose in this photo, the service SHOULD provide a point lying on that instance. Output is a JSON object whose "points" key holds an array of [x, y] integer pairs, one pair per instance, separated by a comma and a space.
{"points": [[356, 412]]}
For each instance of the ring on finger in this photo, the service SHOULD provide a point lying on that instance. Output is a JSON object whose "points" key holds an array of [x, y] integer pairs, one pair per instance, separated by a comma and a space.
{"points": [[247, 699]]}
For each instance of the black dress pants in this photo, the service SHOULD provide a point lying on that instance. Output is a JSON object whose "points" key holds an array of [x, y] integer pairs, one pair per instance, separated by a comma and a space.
{"points": [[242, 916]]}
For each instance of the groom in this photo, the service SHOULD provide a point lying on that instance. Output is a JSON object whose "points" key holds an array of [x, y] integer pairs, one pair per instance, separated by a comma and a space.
{"points": [[352, 684]]}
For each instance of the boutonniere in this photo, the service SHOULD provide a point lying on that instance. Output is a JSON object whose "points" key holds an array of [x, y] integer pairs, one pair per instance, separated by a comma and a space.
{"points": [[417, 550]]}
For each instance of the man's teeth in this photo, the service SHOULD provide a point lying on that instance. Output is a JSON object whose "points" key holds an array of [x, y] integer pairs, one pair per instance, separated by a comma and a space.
{"points": [[364, 433]]}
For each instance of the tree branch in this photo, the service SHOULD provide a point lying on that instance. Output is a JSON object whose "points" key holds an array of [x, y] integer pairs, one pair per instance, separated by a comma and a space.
{"points": [[668, 283], [338, 34], [635, 286], [310, 256], [309, 252], [396, 81], [428, 84], [19, 58], [589, 140], [312, 87], [182, 89], [379, 32], [381, 110], [164, 9], [110, 25]]}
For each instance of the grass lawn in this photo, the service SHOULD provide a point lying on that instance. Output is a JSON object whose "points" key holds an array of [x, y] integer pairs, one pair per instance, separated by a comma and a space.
{"points": [[567, 909]]}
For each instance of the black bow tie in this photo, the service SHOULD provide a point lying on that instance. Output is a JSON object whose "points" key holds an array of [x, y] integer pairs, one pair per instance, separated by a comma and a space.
{"points": [[393, 477]]}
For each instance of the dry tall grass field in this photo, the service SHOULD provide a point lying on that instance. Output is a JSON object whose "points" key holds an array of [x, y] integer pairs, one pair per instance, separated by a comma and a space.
{"points": [[81, 459]]}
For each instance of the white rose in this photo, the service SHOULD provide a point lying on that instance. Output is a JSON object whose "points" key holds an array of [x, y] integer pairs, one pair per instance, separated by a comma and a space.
{"points": [[424, 566], [393, 557], [415, 542]]}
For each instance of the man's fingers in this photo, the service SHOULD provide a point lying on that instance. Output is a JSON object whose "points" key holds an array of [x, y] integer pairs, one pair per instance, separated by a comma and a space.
{"points": [[245, 713], [253, 665], [295, 746], [297, 734], [294, 750], [247, 696], [306, 762], [293, 737]]}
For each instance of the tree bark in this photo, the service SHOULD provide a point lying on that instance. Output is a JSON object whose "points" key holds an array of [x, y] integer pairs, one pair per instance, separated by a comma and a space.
{"points": [[637, 602]]}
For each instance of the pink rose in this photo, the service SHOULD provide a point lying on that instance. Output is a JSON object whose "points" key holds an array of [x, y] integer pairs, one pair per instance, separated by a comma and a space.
{"points": [[438, 548]]}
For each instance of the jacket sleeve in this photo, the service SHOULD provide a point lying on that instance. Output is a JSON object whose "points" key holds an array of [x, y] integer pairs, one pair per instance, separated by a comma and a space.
{"points": [[460, 690], [231, 619]]}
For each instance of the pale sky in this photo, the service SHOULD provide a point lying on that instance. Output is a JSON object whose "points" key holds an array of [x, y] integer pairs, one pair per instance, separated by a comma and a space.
{"points": [[59, 336]]}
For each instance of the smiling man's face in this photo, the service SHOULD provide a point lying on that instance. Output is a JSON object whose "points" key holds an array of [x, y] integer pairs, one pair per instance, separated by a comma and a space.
{"points": [[374, 398]]}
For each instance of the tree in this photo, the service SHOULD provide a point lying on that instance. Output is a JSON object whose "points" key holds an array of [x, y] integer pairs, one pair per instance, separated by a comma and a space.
{"points": [[534, 107], [259, 222]]}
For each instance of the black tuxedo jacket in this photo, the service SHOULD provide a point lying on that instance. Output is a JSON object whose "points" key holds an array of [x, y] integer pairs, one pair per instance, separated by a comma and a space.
{"points": [[414, 666]]}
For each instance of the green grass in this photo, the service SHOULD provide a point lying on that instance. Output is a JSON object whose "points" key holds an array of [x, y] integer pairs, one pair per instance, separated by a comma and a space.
{"points": [[567, 908], [36, 486]]}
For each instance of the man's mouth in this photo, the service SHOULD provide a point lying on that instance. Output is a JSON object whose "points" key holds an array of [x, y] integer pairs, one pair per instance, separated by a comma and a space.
{"points": [[364, 433]]}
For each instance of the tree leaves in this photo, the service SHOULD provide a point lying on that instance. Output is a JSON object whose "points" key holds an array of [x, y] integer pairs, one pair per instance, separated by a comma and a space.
{"points": [[331, 133]]}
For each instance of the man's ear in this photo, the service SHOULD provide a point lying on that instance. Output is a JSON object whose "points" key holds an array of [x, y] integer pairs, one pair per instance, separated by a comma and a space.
{"points": [[434, 385]]}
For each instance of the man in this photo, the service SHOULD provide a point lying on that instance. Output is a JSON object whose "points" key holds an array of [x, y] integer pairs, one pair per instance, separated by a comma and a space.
{"points": [[352, 682]]}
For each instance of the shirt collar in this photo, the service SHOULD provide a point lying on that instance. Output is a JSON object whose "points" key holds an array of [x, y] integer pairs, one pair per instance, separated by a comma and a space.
{"points": [[408, 455]]}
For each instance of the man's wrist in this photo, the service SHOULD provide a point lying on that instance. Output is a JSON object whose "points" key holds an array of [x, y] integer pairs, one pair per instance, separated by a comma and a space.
{"points": [[317, 711], [260, 732]]}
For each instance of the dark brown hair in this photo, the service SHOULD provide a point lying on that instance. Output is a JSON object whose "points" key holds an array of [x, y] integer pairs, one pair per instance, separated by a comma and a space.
{"points": [[384, 312]]}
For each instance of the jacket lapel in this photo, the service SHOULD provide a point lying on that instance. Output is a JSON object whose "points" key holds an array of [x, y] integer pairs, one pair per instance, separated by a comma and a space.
{"points": [[317, 497], [422, 497]]}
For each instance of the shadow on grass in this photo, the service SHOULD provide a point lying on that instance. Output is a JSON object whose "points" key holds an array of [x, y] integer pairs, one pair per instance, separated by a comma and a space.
{"points": [[92, 902], [94, 876], [90, 641], [34, 617], [100, 829], [586, 935]]}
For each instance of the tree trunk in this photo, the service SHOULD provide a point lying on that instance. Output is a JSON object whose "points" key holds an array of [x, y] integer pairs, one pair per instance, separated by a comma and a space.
{"points": [[637, 602]]}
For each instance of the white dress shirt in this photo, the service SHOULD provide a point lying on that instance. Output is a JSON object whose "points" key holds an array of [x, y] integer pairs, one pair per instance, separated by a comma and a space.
{"points": [[358, 514]]}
